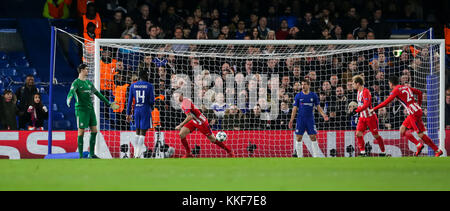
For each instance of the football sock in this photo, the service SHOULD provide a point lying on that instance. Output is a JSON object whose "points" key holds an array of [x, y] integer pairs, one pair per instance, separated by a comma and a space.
{"points": [[135, 145], [223, 146], [360, 142], [315, 149], [141, 145], [80, 146], [381, 143], [92, 140], [299, 148], [186, 145], [429, 142], [411, 137]]}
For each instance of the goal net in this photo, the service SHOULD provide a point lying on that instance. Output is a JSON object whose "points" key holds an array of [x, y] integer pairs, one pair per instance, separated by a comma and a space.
{"points": [[247, 89]]}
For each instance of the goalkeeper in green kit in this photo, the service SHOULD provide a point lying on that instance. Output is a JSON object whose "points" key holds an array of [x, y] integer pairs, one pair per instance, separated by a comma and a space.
{"points": [[82, 89]]}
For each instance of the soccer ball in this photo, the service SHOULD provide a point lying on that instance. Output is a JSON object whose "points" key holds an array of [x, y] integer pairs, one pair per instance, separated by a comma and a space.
{"points": [[221, 136]]}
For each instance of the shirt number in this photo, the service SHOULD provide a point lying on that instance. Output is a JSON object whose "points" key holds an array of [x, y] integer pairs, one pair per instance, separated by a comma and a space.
{"points": [[409, 94], [140, 97]]}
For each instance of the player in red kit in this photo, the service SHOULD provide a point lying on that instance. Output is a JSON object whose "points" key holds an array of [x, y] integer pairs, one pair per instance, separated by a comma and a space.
{"points": [[366, 118], [195, 120], [405, 94]]}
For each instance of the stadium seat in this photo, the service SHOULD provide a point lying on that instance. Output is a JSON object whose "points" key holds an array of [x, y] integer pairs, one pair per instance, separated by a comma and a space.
{"points": [[55, 107], [17, 55], [16, 78], [57, 116], [10, 71], [27, 71], [4, 64], [62, 125], [20, 63], [37, 79], [3, 56], [44, 98]]}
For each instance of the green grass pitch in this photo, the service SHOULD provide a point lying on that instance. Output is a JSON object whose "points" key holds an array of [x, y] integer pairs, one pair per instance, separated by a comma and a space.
{"points": [[228, 174]]}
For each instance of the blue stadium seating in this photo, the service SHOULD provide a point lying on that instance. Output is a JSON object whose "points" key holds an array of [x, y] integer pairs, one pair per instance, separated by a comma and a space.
{"points": [[10, 71], [20, 63], [17, 55], [58, 116], [4, 63], [62, 125], [3, 56], [24, 71]]}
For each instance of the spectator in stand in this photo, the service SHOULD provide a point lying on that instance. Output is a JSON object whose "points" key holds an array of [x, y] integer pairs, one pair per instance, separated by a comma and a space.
{"points": [[283, 32], [226, 32], [283, 117], [325, 34], [9, 111], [170, 19], [254, 121], [350, 93], [381, 29], [202, 27], [197, 15], [271, 36], [253, 21], [254, 34], [334, 81], [315, 84], [291, 19], [325, 19], [272, 17], [234, 119], [24, 98], [309, 30], [350, 21], [262, 28], [115, 27], [130, 28], [339, 109], [214, 29], [234, 23], [370, 36], [152, 32], [38, 113], [337, 33], [219, 107], [352, 117], [178, 34], [141, 19], [360, 33], [349, 36], [326, 88], [384, 120], [241, 32], [190, 24]]}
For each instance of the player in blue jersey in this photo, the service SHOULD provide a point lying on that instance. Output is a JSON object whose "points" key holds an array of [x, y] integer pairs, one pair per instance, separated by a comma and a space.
{"points": [[142, 94], [304, 103]]}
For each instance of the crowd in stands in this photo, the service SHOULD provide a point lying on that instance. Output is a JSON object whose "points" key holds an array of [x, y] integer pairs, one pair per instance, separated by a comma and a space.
{"points": [[252, 20], [23, 109]]}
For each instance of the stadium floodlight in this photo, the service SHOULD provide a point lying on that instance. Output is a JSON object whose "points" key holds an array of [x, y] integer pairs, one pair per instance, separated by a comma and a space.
{"points": [[257, 79]]}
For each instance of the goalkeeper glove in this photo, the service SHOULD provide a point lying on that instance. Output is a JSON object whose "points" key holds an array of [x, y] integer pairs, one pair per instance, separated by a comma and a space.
{"points": [[114, 106]]}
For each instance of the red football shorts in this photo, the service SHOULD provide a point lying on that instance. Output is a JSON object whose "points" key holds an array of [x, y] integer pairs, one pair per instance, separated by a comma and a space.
{"points": [[371, 122], [203, 128], [414, 122]]}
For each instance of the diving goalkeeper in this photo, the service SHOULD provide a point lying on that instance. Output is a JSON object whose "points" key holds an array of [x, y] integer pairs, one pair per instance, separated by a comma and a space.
{"points": [[82, 89]]}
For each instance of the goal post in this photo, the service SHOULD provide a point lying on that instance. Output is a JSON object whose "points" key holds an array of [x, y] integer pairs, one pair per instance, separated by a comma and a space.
{"points": [[425, 70]]}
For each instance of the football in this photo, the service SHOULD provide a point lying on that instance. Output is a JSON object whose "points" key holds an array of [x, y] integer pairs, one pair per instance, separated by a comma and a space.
{"points": [[221, 136]]}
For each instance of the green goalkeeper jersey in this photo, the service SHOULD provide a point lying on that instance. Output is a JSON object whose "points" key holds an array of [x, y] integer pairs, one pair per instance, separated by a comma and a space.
{"points": [[83, 90]]}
